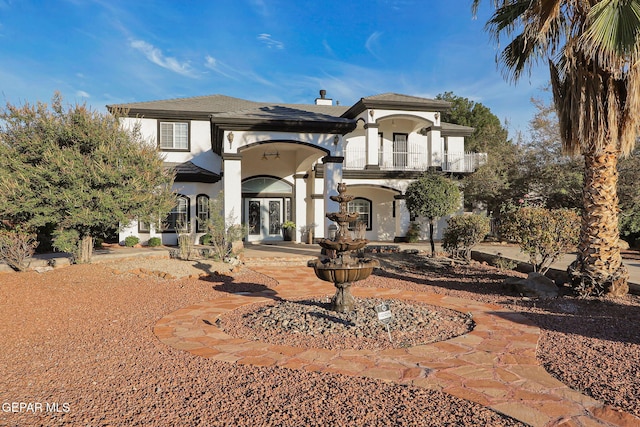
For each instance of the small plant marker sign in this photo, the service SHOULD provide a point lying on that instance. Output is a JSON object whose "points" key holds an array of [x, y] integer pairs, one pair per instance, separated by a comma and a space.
{"points": [[384, 316]]}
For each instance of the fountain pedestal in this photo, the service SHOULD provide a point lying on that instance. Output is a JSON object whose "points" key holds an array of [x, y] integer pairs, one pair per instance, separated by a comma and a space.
{"points": [[343, 301], [343, 269]]}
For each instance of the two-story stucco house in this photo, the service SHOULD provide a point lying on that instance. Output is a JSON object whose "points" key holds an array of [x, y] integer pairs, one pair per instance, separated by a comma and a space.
{"points": [[279, 162]]}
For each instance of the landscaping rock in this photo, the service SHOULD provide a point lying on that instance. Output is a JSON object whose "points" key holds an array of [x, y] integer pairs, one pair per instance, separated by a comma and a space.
{"points": [[535, 285]]}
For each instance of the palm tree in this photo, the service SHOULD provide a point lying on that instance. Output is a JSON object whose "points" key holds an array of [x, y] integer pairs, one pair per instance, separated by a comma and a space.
{"points": [[592, 48]]}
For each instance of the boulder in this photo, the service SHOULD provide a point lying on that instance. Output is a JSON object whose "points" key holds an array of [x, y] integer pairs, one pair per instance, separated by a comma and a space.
{"points": [[535, 285]]}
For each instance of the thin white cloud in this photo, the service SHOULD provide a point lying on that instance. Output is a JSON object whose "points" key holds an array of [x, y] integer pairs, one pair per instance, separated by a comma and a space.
{"points": [[236, 74], [327, 48], [82, 94], [213, 64], [156, 56], [371, 43], [270, 42]]}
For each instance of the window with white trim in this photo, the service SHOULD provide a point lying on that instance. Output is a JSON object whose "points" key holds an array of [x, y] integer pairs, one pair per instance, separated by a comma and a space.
{"points": [[178, 218], [363, 208], [174, 135], [202, 213]]}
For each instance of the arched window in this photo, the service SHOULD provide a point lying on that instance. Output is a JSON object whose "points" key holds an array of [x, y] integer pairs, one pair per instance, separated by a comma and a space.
{"points": [[266, 185], [178, 218], [202, 213], [363, 207]]}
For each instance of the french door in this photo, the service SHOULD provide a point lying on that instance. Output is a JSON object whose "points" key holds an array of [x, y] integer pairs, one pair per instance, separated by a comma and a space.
{"points": [[264, 218]]}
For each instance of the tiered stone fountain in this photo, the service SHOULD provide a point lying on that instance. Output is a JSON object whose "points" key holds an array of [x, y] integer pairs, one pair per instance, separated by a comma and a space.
{"points": [[342, 267]]}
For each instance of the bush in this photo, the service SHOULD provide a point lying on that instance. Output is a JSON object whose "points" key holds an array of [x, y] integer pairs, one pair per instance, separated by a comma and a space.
{"points": [[154, 241], [543, 234], [16, 246], [413, 234], [185, 246], [97, 242], [463, 233], [222, 234], [131, 241], [205, 239]]}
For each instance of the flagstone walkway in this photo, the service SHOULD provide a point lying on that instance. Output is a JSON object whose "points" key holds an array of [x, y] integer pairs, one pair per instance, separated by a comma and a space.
{"points": [[494, 365]]}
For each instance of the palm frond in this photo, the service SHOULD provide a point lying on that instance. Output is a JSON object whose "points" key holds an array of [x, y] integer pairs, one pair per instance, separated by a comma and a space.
{"points": [[612, 34]]}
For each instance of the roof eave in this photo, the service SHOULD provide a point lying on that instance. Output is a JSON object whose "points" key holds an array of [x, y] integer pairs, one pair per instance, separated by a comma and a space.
{"points": [[342, 126], [366, 104]]}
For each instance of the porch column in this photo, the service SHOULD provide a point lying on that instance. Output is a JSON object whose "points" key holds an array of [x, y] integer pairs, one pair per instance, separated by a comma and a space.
{"points": [[318, 215], [373, 145], [402, 216], [232, 188], [301, 204], [332, 177], [434, 142]]}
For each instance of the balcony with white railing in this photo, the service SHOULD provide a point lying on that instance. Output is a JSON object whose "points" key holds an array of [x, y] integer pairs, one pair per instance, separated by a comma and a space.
{"points": [[416, 159], [463, 162]]}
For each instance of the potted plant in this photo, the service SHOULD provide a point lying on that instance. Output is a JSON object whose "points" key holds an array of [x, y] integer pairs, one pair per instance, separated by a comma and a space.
{"points": [[288, 230]]}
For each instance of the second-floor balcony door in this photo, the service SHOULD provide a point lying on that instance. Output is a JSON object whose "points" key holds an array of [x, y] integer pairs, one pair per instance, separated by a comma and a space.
{"points": [[400, 150]]}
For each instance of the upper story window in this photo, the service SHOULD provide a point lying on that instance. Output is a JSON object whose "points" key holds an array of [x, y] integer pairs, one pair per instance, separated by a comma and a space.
{"points": [[174, 135]]}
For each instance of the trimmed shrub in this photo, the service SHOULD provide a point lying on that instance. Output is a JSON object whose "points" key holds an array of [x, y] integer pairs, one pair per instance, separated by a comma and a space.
{"points": [[154, 241], [131, 241], [463, 233]]}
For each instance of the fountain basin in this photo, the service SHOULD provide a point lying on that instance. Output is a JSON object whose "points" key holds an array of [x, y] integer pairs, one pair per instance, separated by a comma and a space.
{"points": [[344, 246], [343, 273]]}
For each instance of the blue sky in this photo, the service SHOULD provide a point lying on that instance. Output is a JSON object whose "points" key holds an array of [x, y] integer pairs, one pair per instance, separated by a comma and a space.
{"points": [[109, 51]]}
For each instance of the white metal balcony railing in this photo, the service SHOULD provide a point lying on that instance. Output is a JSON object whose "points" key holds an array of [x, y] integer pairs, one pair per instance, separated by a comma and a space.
{"points": [[356, 159]]}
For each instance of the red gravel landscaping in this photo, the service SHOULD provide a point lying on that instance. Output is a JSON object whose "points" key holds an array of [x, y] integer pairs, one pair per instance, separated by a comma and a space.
{"points": [[79, 342]]}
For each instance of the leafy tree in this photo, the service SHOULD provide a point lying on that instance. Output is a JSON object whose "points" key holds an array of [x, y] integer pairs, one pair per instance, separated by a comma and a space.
{"points": [[549, 176], [489, 134], [491, 184], [432, 196], [77, 170], [592, 49]]}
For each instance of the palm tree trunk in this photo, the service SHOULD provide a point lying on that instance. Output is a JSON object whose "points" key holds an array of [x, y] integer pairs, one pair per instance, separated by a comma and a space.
{"points": [[598, 268]]}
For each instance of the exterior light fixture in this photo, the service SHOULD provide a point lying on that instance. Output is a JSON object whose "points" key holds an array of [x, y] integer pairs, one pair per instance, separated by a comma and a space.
{"points": [[265, 155], [371, 113], [230, 138], [336, 139]]}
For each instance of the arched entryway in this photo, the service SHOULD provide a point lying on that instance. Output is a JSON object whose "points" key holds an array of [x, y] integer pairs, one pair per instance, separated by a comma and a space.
{"points": [[267, 203]]}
